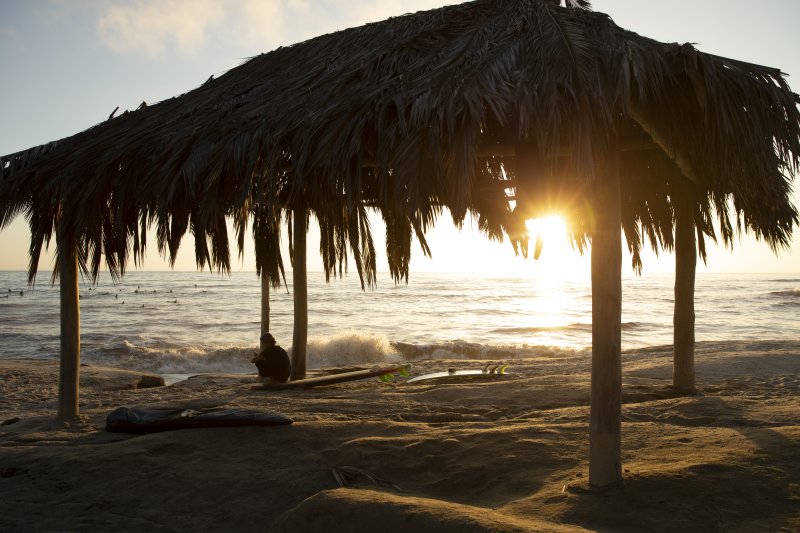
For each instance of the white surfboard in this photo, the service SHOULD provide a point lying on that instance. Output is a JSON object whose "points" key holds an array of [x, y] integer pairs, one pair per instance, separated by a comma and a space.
{"points": [[451, 374]]}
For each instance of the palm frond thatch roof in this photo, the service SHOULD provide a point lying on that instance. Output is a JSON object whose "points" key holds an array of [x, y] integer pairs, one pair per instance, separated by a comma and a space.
{"points": [[412, 115]]}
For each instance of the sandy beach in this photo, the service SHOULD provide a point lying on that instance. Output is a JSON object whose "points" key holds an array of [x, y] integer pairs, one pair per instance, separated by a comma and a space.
{"points": [[495, 455]]}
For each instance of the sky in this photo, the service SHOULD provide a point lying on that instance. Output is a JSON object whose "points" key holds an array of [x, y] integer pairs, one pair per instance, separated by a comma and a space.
{"points": [[67, 64]]}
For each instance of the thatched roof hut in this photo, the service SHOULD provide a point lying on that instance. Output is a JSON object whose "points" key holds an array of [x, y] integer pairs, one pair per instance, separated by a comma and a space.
{"points": [[355, 112], [439, 109]]}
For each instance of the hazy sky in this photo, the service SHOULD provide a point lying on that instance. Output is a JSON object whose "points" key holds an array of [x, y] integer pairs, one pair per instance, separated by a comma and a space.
{"points": [[66, 64]]}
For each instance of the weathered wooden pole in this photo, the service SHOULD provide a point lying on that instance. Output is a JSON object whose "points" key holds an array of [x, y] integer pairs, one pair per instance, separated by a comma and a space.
{"points": [[300, 289], [605, 423], [69, 374], [264, 306], [685, 267]]}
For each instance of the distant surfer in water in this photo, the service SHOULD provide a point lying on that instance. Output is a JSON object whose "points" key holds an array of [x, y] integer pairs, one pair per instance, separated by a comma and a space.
{"points": [[273, 362]]}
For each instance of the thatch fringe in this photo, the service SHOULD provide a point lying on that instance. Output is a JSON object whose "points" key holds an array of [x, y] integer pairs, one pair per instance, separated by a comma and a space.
{"points": [[392, 116]]}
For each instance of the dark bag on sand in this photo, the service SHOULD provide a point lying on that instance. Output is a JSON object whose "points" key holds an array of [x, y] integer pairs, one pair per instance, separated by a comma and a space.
{"points": [[143, 420]]}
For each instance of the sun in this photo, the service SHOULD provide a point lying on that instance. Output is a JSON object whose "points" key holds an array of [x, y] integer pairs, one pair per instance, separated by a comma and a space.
{"points": [[549, 235], [552, 257]]}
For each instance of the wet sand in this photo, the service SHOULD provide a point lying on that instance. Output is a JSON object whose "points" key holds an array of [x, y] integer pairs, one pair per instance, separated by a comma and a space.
{"points": [[497, 455]]}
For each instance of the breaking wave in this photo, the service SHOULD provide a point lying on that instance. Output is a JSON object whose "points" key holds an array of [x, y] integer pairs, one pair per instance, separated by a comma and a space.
{"points": [[347, 349], [791, 293]]}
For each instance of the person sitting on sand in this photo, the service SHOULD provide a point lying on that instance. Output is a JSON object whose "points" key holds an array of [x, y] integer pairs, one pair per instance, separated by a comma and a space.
{"points": [[273, 362]]}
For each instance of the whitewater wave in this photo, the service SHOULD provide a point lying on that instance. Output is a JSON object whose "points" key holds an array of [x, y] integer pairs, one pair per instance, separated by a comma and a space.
{"points": [[346, 349], [460, 349], [162, 357], [349, 349]]}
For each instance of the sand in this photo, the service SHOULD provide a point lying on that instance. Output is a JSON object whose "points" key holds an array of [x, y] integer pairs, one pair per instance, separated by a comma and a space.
{"points": [[478, 456]]}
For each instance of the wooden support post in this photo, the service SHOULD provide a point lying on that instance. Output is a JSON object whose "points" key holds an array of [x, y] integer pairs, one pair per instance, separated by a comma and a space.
{"points": [[69, 376], [264, 307], [683, 375], [605, 466], [300, 289]]}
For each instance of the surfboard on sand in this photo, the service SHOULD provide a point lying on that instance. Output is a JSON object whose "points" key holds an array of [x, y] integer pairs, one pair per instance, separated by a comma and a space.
{"points": [[331, 379], [451, 374], [149, 420]]}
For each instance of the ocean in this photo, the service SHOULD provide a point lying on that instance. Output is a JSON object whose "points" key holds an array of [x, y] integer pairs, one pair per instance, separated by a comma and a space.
{"points": [[182, 323]]}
